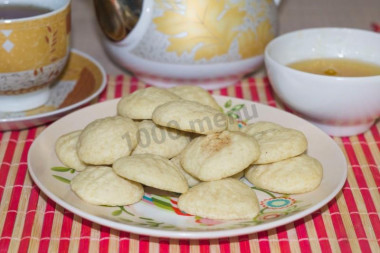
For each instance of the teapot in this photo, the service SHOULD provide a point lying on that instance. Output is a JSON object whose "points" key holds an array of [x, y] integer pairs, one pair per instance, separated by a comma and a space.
{"points": [[210, 43]]}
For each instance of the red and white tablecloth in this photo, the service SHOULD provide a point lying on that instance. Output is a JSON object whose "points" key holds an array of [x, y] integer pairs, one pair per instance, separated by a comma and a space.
{"points": [[31, 222]]}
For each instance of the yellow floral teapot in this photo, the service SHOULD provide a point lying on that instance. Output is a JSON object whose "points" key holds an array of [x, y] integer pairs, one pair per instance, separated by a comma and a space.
{"points": [[211, 43]]}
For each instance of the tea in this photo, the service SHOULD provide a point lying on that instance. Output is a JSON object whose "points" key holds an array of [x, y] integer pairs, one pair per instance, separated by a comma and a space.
{"points": [[337, 67], [13, 11]]}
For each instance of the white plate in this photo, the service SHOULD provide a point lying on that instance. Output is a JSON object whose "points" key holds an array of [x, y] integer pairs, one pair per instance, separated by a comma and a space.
{"points": [[81, 81], [158, 215]]}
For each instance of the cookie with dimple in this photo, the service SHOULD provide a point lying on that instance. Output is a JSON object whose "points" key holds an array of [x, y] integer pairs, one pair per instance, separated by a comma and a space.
{"points": [[222, 199], [158, 140], [260, 126], [294, 175], [99, 185], [141, 103], [219, 155], [196, 94], [151, 170], [66, 150], [279, 144], [190, 116], [105, 140]]}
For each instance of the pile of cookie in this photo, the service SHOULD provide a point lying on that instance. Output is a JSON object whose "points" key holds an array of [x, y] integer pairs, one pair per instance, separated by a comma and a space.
{"points": [[179, 140]]}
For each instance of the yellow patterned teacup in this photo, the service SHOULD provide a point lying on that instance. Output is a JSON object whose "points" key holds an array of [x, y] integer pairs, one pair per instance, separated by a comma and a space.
{"points": [[33, 52]]}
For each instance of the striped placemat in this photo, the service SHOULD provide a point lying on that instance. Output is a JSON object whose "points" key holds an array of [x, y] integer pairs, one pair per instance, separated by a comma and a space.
{"points": [[31, 222]]}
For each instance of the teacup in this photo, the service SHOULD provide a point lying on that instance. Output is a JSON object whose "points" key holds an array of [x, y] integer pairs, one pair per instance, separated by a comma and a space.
{"points": [[34, 47]]}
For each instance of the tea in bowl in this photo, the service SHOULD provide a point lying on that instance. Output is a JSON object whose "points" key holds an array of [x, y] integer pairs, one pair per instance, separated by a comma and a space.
{"points": [[330, 76], [34, 47]]}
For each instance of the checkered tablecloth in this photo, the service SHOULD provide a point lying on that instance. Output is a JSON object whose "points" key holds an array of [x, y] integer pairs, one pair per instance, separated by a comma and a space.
{"points": [[31, 222]]}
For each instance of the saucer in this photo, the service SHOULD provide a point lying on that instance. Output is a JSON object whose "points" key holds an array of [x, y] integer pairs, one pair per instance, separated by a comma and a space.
{"points": [[81, 81]]}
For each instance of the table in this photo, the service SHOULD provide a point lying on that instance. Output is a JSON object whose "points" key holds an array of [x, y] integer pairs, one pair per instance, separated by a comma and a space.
{"points": [[30, 222]]}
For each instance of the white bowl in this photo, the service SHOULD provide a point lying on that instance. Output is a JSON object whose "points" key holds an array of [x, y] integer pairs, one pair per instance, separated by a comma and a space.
{"points": [[341, 106]]}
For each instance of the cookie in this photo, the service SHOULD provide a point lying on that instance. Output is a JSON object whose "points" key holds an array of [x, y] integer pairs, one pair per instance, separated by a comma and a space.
{"points": [[294, 175], [151, 170], [66, 150], [280, 144], [259, 126], [141, 103], [196, 94], [105, 140], [158, 140], [219, 155], [99, 185], [238, 175], [191, 181], [222, 199], [190, 116]]}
